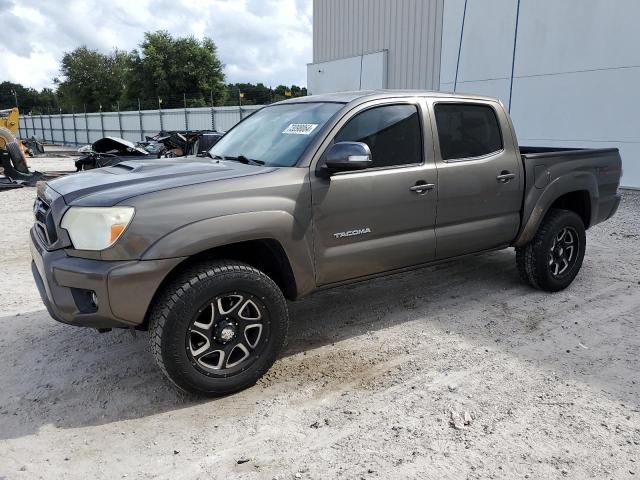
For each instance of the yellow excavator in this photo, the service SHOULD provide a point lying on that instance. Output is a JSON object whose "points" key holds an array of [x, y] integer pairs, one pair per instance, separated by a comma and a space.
{"points": [[12, 154]]}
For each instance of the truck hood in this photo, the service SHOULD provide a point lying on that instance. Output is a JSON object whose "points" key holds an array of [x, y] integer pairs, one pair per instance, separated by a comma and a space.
{"points": [[110, 185]]}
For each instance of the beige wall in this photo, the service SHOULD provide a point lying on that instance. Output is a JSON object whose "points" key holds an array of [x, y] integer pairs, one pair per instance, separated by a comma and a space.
{"points": [[409, 30]]}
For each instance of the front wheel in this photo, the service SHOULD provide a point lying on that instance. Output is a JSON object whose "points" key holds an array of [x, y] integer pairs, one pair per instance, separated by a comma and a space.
{"points": [[554, 257], [218, 327]]}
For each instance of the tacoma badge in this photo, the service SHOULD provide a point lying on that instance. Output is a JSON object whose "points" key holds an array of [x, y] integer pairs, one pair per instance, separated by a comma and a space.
{"points": [[352, 233]]}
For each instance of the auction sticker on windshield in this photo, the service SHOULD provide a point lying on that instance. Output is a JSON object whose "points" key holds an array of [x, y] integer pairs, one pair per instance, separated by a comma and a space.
{"points": [[300, 128]]}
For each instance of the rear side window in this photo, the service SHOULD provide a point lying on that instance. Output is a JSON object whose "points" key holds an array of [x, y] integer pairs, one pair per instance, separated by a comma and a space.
{"points": [[391, 131], [467, 130]]}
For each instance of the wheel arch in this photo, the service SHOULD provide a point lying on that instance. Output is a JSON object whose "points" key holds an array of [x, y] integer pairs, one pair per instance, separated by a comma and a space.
{"points": [[577, 193], [264, 254], [578, 201]]}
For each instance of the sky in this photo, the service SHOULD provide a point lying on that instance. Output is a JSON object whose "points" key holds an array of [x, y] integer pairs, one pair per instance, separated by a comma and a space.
{"points": [[266, 41]]}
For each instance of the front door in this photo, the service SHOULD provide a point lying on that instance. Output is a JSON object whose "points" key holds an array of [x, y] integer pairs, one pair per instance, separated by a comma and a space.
{"points": [[375, 220]]}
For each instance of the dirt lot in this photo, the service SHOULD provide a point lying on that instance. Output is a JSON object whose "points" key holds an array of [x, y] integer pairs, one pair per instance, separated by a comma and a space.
{"points": [[366, 388]]}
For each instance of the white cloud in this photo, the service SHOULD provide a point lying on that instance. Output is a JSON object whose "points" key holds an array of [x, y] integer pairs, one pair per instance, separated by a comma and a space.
{"points": [[265, 41]]}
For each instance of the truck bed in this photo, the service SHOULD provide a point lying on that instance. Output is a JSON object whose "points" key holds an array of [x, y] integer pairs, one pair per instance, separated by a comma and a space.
{"points": [[595, 170], [540, 152]]}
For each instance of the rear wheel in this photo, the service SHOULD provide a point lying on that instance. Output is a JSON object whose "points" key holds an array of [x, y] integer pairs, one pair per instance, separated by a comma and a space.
{"points": [[218, 328], [554, 257]]}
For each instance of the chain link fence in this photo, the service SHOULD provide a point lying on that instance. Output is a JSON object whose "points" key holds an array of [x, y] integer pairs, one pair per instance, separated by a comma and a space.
{"points": [[84, 128]]}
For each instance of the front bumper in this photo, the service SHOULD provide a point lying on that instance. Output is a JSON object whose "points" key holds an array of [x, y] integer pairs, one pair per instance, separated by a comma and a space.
{"points": [[124, 289]]}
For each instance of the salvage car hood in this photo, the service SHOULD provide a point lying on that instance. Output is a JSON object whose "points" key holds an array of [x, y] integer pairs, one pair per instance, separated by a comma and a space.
{"points": [[118, 146], [110, 185]]}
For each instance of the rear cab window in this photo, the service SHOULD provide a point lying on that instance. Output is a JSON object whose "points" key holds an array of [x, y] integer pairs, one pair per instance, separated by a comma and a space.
{"points": [[467, 130]]}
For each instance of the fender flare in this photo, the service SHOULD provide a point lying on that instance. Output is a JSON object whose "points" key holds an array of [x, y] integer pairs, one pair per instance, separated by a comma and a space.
{"points": [[203, 235], [536, 205]]}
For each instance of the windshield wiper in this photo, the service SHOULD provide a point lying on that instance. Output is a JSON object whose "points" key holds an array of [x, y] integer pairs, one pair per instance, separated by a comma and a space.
{"points": [[241, 159]]}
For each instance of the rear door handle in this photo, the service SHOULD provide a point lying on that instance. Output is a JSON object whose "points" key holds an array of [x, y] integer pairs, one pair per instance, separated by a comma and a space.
{"points": [[505, 176], [422, 187]]}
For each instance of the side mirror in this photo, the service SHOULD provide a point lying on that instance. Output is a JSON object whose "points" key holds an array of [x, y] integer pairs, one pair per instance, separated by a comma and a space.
{"points": [[347, 156]]}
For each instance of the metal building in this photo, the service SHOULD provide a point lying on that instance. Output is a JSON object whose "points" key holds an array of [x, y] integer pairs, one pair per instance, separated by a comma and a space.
{"points": [[568, 69], [369, 44]]}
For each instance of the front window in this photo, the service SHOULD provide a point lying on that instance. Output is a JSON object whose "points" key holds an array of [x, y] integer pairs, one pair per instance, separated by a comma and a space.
{"points": [[392, 132], [276, 136]]}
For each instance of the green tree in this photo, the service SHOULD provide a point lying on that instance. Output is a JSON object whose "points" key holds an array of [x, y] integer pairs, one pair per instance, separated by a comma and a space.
{"points": [[169, 67], [29, 99], [283, 92], [251, 94], [92, 79]]}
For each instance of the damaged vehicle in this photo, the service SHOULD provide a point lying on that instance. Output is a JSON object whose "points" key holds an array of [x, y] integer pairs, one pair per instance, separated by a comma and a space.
{"points": [[183, 143], [110, 151], [307, 194], [106, 152]]}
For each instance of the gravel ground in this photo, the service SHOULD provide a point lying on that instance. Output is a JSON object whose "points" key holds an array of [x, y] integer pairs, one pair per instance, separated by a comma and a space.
{"points": [[454, 371]]}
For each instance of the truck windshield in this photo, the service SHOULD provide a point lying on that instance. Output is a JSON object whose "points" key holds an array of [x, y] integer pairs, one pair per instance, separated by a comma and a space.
{"points": [[276, 135]]}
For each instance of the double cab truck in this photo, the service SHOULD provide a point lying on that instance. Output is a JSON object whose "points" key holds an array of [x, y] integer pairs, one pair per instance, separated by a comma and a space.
{"points": [[303, 195]]}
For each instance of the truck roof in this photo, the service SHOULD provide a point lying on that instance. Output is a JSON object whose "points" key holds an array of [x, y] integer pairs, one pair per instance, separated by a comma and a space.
{"points": [[363, 95]]}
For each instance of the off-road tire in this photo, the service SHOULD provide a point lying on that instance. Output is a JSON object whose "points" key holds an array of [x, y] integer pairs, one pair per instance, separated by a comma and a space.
{"points": [[172, 316], [533, 259]]}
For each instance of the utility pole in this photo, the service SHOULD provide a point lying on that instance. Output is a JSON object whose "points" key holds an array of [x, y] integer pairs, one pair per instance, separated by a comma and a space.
{"points": [[213, 112], [186, 113], [101, 121], [140, 121], [120, 120], [86, 123], [50, 124], [160, 112], [75, 131], [64, 136]]}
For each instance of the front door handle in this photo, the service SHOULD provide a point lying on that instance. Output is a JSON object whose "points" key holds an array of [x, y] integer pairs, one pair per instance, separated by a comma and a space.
{"points": [[422, 187], [505, 176]]}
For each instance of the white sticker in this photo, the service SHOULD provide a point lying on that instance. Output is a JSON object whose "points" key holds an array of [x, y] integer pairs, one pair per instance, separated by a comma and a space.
{"points": [[300, 128]]}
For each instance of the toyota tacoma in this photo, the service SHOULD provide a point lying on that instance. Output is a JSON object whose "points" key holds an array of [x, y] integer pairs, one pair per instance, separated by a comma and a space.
{"points": [[303, 195]]}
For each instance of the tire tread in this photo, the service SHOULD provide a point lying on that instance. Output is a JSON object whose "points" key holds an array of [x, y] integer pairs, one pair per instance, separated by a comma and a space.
{"points": [[171, 298], [527, 257]]}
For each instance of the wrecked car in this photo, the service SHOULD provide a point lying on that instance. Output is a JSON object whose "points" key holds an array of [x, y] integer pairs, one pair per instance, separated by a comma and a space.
{"points": [[110, 151], [106, 152]]}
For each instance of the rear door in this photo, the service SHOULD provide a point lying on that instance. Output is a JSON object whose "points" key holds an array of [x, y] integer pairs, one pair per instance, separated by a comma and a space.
{"points": [[479, 177], [375, 220]]}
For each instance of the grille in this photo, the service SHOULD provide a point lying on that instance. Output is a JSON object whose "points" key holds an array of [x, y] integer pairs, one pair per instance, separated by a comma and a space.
{"points": [[45, 226]]}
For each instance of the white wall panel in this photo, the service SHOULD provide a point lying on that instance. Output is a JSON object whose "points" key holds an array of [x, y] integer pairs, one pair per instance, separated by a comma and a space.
{"points": [[362, 72], [373, 74], [487, 43], [576, 107], [334, 76], [570, 35], [492, 88], [576, 71]]}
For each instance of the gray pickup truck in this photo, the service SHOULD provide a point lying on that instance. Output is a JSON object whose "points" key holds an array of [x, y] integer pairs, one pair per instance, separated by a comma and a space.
{"points": [[303, 195]]}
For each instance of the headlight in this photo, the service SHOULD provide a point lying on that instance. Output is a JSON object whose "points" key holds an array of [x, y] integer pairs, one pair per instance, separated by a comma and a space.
{"points": [[96, 228]]}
